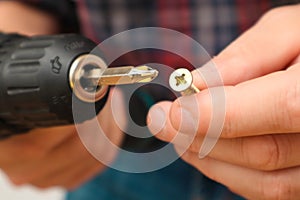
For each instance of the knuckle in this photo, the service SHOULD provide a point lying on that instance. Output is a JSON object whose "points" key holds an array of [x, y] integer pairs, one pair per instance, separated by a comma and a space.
{"points": [[290, 101], [276, 187], [272, 13], [283, 15], [269, 155], [237, 48], [231, 127], [276, 13]]}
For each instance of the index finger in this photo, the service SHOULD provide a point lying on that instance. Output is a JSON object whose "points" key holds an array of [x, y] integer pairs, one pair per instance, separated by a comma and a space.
{"points": [[269, 104], [268, 46]]}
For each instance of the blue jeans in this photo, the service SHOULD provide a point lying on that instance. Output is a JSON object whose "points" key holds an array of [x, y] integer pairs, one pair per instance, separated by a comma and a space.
{"points": [[176, 181]]}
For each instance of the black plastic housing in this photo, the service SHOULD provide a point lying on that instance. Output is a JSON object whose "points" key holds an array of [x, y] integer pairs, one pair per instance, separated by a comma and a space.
{"points": [[34, 81]]}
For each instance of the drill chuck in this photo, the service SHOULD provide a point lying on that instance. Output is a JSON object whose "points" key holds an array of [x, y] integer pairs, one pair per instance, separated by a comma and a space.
{"points": [[85, 89]]}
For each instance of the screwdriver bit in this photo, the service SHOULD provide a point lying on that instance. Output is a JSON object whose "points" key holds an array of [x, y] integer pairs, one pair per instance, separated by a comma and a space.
{"points": [[55, 80], [121, 75]]}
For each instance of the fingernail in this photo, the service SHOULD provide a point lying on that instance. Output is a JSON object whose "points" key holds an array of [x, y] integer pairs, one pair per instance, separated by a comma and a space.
{"points": [[156, 119]]}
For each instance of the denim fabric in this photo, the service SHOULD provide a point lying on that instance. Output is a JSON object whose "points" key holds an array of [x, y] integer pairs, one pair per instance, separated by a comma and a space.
{"points": [[177, 181]]}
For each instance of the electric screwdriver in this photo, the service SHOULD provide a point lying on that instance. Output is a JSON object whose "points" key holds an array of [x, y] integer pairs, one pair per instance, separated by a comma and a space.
{"points": [[41, 77]]}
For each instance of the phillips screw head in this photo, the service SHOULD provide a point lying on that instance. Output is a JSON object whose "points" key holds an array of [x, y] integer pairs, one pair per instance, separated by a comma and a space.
{"points": [[181, 80]]}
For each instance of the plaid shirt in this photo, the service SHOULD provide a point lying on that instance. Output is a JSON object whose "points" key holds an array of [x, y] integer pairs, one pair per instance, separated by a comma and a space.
{"points": [[213, 23]]}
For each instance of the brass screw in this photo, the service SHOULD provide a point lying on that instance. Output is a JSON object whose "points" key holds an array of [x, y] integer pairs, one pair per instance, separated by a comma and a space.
{"points": [[181, 80]]}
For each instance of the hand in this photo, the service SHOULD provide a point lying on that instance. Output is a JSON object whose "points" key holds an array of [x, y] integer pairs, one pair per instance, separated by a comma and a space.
{"points": [[52, 156], [22, 18], [258, 153], [55, 156]]}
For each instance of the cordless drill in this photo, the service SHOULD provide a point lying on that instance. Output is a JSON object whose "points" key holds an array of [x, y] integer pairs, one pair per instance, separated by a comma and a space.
{"points": [[42, 77]]}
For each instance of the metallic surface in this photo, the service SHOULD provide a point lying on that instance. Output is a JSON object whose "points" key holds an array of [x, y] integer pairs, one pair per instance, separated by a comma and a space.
{"points": [[121, 75], [89, 77], [82, 89], [181, 80]]}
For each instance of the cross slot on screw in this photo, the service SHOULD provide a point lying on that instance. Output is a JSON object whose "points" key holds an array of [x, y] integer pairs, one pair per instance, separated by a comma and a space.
{"points": [[181, 80]]}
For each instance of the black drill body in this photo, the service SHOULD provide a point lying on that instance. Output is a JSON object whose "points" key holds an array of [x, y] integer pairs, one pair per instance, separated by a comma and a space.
{"points": [[34, 82]]}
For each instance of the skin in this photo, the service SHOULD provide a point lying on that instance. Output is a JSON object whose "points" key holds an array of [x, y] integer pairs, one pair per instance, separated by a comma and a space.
{"points": [[50, 156], [257, 155], [27, 20]]}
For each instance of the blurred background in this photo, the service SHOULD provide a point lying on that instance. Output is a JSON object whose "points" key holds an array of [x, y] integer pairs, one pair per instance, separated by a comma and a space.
{"points": [[11, 192]]}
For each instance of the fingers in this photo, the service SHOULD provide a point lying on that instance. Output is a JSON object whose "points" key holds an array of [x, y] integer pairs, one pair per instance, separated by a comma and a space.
{"points": [[269, 152], [159, 123], [263, 49], [252, 184], [56, 156], [33, 145], [70, 177], [253, 108], [68, 165], [269, 104], [19, 17]]}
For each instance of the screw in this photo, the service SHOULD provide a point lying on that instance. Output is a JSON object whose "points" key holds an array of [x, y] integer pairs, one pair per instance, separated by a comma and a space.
{"points": [[181, 80]]}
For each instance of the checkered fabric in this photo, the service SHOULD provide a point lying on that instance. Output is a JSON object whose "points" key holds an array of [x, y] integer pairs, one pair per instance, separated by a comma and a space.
{"points": [[213, 23]]}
